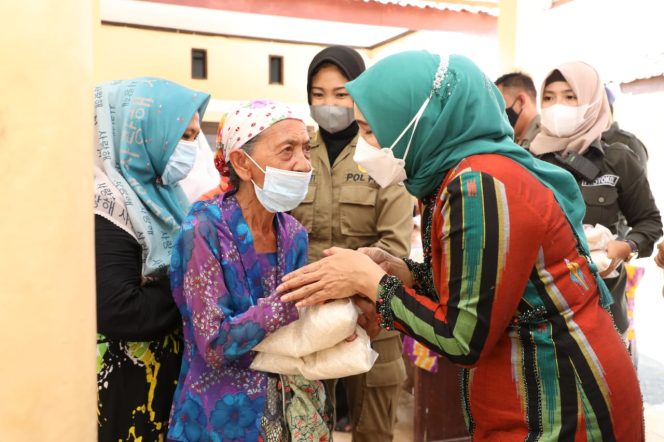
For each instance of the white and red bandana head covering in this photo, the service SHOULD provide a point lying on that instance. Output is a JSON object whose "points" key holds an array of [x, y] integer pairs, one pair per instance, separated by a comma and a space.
{"points": [[248, 120]]}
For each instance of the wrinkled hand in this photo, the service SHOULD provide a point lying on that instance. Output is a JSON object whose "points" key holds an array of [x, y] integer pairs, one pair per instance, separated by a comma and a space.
{"points": [[341, 274], [389, 263], [368, 319], [659, 259]]}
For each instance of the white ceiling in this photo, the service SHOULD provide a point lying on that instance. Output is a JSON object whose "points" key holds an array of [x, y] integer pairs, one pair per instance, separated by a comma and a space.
{"points": [[242, 24]]}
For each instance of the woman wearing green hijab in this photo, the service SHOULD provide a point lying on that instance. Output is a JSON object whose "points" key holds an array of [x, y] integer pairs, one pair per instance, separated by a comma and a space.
{"points": [[507, 288]]}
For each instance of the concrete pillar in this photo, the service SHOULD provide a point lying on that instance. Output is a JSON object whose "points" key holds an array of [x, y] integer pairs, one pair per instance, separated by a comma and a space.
{"points": [[523, 33], [507, 34], [47, 293]]}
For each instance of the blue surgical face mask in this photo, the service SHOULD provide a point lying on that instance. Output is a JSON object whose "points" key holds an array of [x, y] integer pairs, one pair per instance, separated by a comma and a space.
{"points": [[283, 190], [180, 163]]}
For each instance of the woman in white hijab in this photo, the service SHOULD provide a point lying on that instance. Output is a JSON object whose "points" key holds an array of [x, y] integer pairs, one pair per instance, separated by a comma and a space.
{"points": [[575, 113]]}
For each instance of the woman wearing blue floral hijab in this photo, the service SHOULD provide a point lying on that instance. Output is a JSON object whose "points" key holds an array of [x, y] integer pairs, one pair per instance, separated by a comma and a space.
{"points": [[146, 143]]}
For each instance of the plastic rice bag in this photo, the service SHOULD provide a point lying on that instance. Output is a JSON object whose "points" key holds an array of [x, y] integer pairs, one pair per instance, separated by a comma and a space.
{"points": [[600, 259], [341, 360], [598, 238], [319, 327]]}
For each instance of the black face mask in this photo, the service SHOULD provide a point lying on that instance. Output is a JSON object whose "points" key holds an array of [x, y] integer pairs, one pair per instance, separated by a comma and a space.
{"points": [[512, 116]]}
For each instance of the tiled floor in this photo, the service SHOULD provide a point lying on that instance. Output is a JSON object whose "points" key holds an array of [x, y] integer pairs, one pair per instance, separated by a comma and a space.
{"points": [[403, 432], [654, 416], [648, 314]]}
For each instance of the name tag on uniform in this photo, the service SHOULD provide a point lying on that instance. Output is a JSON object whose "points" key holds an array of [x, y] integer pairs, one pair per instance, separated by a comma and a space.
{"points": [[358, 177], [604, 180]]}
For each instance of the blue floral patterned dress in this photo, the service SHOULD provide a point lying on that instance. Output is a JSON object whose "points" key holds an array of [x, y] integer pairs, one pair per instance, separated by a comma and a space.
{"points": [[226, 294]]}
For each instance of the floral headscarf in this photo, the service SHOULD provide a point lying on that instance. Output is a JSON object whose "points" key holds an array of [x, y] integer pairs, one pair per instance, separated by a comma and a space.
{"points": [[243, 123]]}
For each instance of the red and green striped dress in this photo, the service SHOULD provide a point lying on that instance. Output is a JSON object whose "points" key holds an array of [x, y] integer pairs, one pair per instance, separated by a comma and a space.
{"points": [[507, 294]]}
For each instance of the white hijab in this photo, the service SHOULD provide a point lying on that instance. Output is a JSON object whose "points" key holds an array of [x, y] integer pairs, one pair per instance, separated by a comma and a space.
{"points": [[589, 89]]}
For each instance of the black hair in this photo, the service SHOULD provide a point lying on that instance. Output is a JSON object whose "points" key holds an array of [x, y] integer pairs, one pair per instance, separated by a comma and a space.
{"points": [[556, 75], [347, 59], [518, 80]]}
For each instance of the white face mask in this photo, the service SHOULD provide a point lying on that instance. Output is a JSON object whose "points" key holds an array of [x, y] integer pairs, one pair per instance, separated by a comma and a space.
{"points": [[181, 162], [380, 164], [283, 190], [203, 176], [562, 120]]}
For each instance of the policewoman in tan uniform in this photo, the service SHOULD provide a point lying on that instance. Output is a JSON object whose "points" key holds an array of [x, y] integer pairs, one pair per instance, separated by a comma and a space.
{"points": [[346, 208]]}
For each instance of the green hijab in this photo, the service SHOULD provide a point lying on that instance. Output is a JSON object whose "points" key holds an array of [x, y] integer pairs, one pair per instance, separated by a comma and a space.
{"points": [[465, 116]]}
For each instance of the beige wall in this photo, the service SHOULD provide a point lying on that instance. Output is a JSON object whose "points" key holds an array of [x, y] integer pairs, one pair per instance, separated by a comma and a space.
{"points": [[481, 48], [47, 325], [237, 68]]}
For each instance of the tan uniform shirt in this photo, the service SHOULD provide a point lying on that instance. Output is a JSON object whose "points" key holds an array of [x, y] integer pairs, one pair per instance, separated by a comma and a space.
{"points": [[346, 208]]}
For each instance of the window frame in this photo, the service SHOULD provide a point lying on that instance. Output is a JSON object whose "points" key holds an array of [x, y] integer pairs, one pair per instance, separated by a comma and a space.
{"points": [[194, 52], [281, 69]]}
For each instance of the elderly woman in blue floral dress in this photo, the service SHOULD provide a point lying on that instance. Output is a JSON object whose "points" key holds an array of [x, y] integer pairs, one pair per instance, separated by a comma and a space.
{"points": [[232, 251]]}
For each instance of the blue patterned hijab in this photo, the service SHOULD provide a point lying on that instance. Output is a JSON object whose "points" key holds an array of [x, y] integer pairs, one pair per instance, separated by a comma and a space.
{"points": [[138, 124]]}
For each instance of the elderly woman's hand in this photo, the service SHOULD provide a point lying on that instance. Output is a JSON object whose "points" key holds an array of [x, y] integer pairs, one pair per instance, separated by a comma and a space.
{"points": [[341, 274], [391, 264]]}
